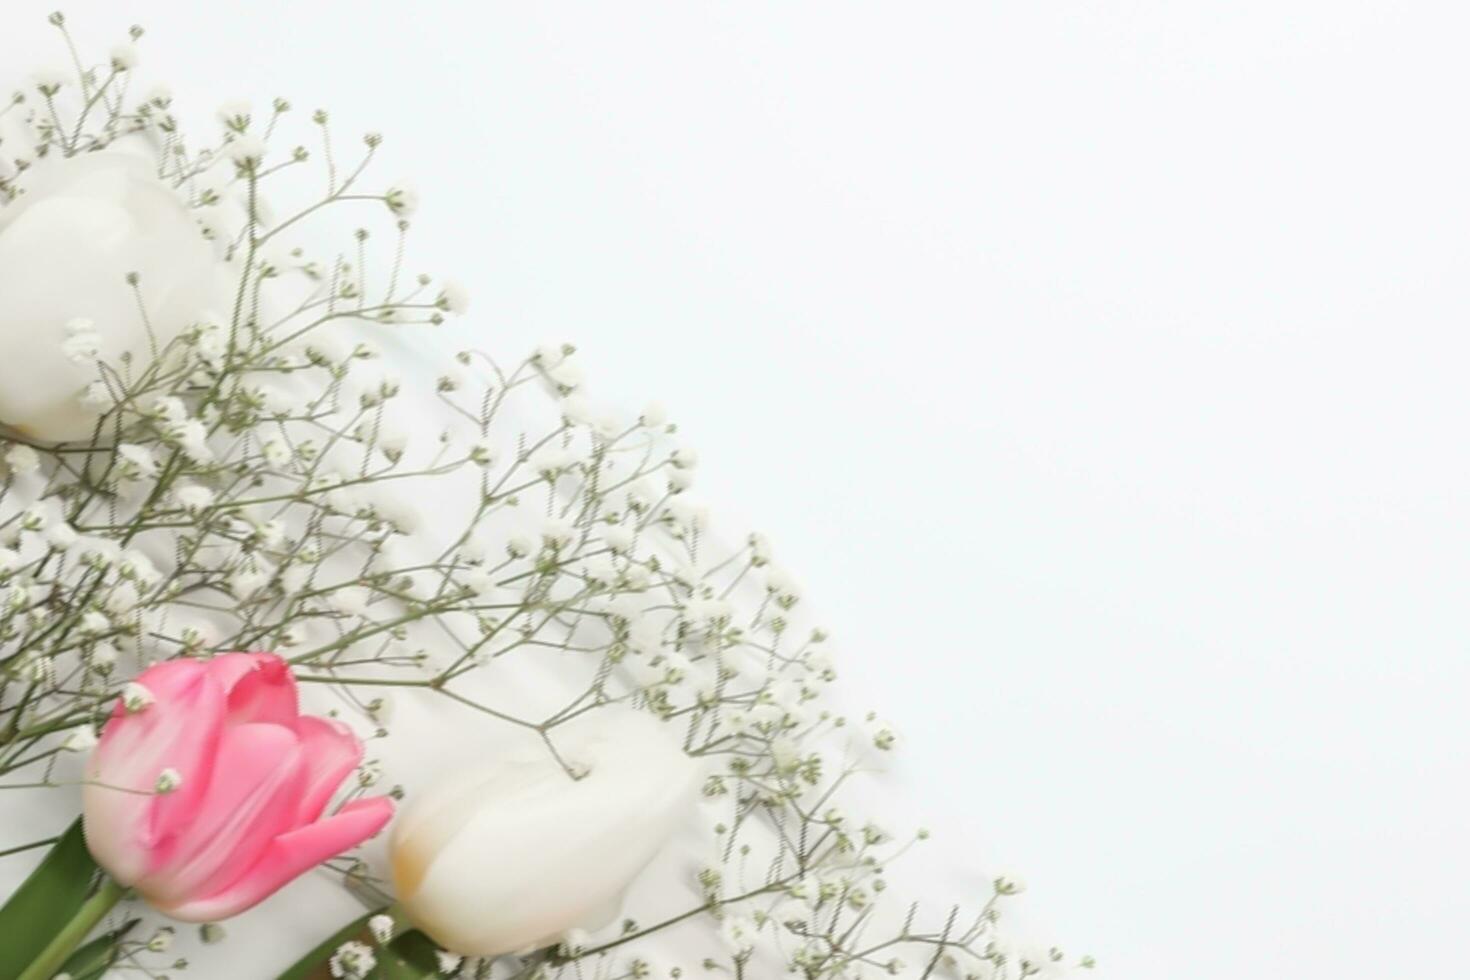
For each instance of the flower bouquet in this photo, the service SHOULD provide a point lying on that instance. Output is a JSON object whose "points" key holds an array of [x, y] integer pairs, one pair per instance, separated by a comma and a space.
{"points": [[429, 655]]}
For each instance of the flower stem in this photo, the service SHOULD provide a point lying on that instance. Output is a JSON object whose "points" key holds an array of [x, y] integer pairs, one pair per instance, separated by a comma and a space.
{"points": [[69, 938]]}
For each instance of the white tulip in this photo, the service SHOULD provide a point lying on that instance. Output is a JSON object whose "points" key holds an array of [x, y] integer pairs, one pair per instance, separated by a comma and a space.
{"points": [[510, 855], [67, 246]]}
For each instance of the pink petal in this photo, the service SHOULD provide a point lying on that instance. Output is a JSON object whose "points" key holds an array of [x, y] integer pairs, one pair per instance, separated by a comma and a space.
{"points": [[124, 819], [288, 857], [260, 685], [332, 752], [228, 668], [258, 778]]}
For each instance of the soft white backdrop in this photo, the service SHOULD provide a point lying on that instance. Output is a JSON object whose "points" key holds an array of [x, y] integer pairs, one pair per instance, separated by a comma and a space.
{"points": [[1100, 369]]}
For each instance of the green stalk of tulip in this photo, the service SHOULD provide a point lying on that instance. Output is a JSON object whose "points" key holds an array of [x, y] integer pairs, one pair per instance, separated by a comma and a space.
{"points": [[45, 902], [54, 910], [54, 956]]}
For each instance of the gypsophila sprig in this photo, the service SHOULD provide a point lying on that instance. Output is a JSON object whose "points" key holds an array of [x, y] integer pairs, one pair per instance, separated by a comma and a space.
{"points": [[251, 483]]}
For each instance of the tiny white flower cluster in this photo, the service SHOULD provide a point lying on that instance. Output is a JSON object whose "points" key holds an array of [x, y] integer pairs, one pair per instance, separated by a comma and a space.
{"points": [[252, 487]]}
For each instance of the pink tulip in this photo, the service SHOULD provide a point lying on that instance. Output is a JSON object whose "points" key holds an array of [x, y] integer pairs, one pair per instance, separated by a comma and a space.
{"points": [[249, 777]]}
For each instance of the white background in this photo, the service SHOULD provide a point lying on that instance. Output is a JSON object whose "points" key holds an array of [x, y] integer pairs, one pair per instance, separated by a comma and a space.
{"points": [[1099, 368]]}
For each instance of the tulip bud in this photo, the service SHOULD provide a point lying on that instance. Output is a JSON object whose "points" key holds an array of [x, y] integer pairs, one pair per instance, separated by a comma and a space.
{"points": [[515, 854], [207, 789], [94, 237]]}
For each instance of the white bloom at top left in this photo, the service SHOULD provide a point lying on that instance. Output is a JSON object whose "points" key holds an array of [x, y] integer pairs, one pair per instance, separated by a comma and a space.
{"points": [[68, 245]]}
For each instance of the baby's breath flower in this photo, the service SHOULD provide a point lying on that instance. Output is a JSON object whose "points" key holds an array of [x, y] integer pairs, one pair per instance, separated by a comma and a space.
{"points": [[276, 453], [760, 548], [478, 581], [80, 740], [352, 961], [97, 398], [1009, 884], [138, 566], [193, 497], [136, 697], [558, 533], [567, 374], [653, 416], [83, 343], [22, 459], [576, 409], [618, 538], [93, 623], [124, 57], [49, 81], [138, 462], [454, 298], [192, 437], [688, 514], [881, 733], [482, 453], [519, 544], [271, 455], [381, 926], [246, 151], [739, 933], [402, 199], [61, 535], [247, 581], [102, 657], [235, 115], [550, 462]]}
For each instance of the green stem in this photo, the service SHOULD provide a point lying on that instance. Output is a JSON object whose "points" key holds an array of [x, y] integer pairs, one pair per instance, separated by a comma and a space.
{"points": [[28, 847], [69, 938]]}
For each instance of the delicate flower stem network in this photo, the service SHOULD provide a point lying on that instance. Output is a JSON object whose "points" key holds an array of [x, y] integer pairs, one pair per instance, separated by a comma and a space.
{"points": [[256, 475]]}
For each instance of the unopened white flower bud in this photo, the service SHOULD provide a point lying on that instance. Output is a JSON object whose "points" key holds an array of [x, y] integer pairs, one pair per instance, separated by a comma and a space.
{"points": [[482, 454], [454, 298], [653, 415], [402, 199], [1009, 884], [22, 459], [83, 343], [246, 151], [235, 115], [381, 926], [136, 697], [168, 781], [124, 57]]}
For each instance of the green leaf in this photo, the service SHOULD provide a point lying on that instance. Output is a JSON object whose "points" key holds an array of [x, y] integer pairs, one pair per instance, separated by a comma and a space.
{"points": [[412, 956], [45, 902], [313, 965], [89, 962]]}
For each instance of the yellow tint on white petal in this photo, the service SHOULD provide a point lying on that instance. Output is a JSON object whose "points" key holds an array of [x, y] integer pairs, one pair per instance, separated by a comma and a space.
{"points": [[67, 246], [508, 856]]}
